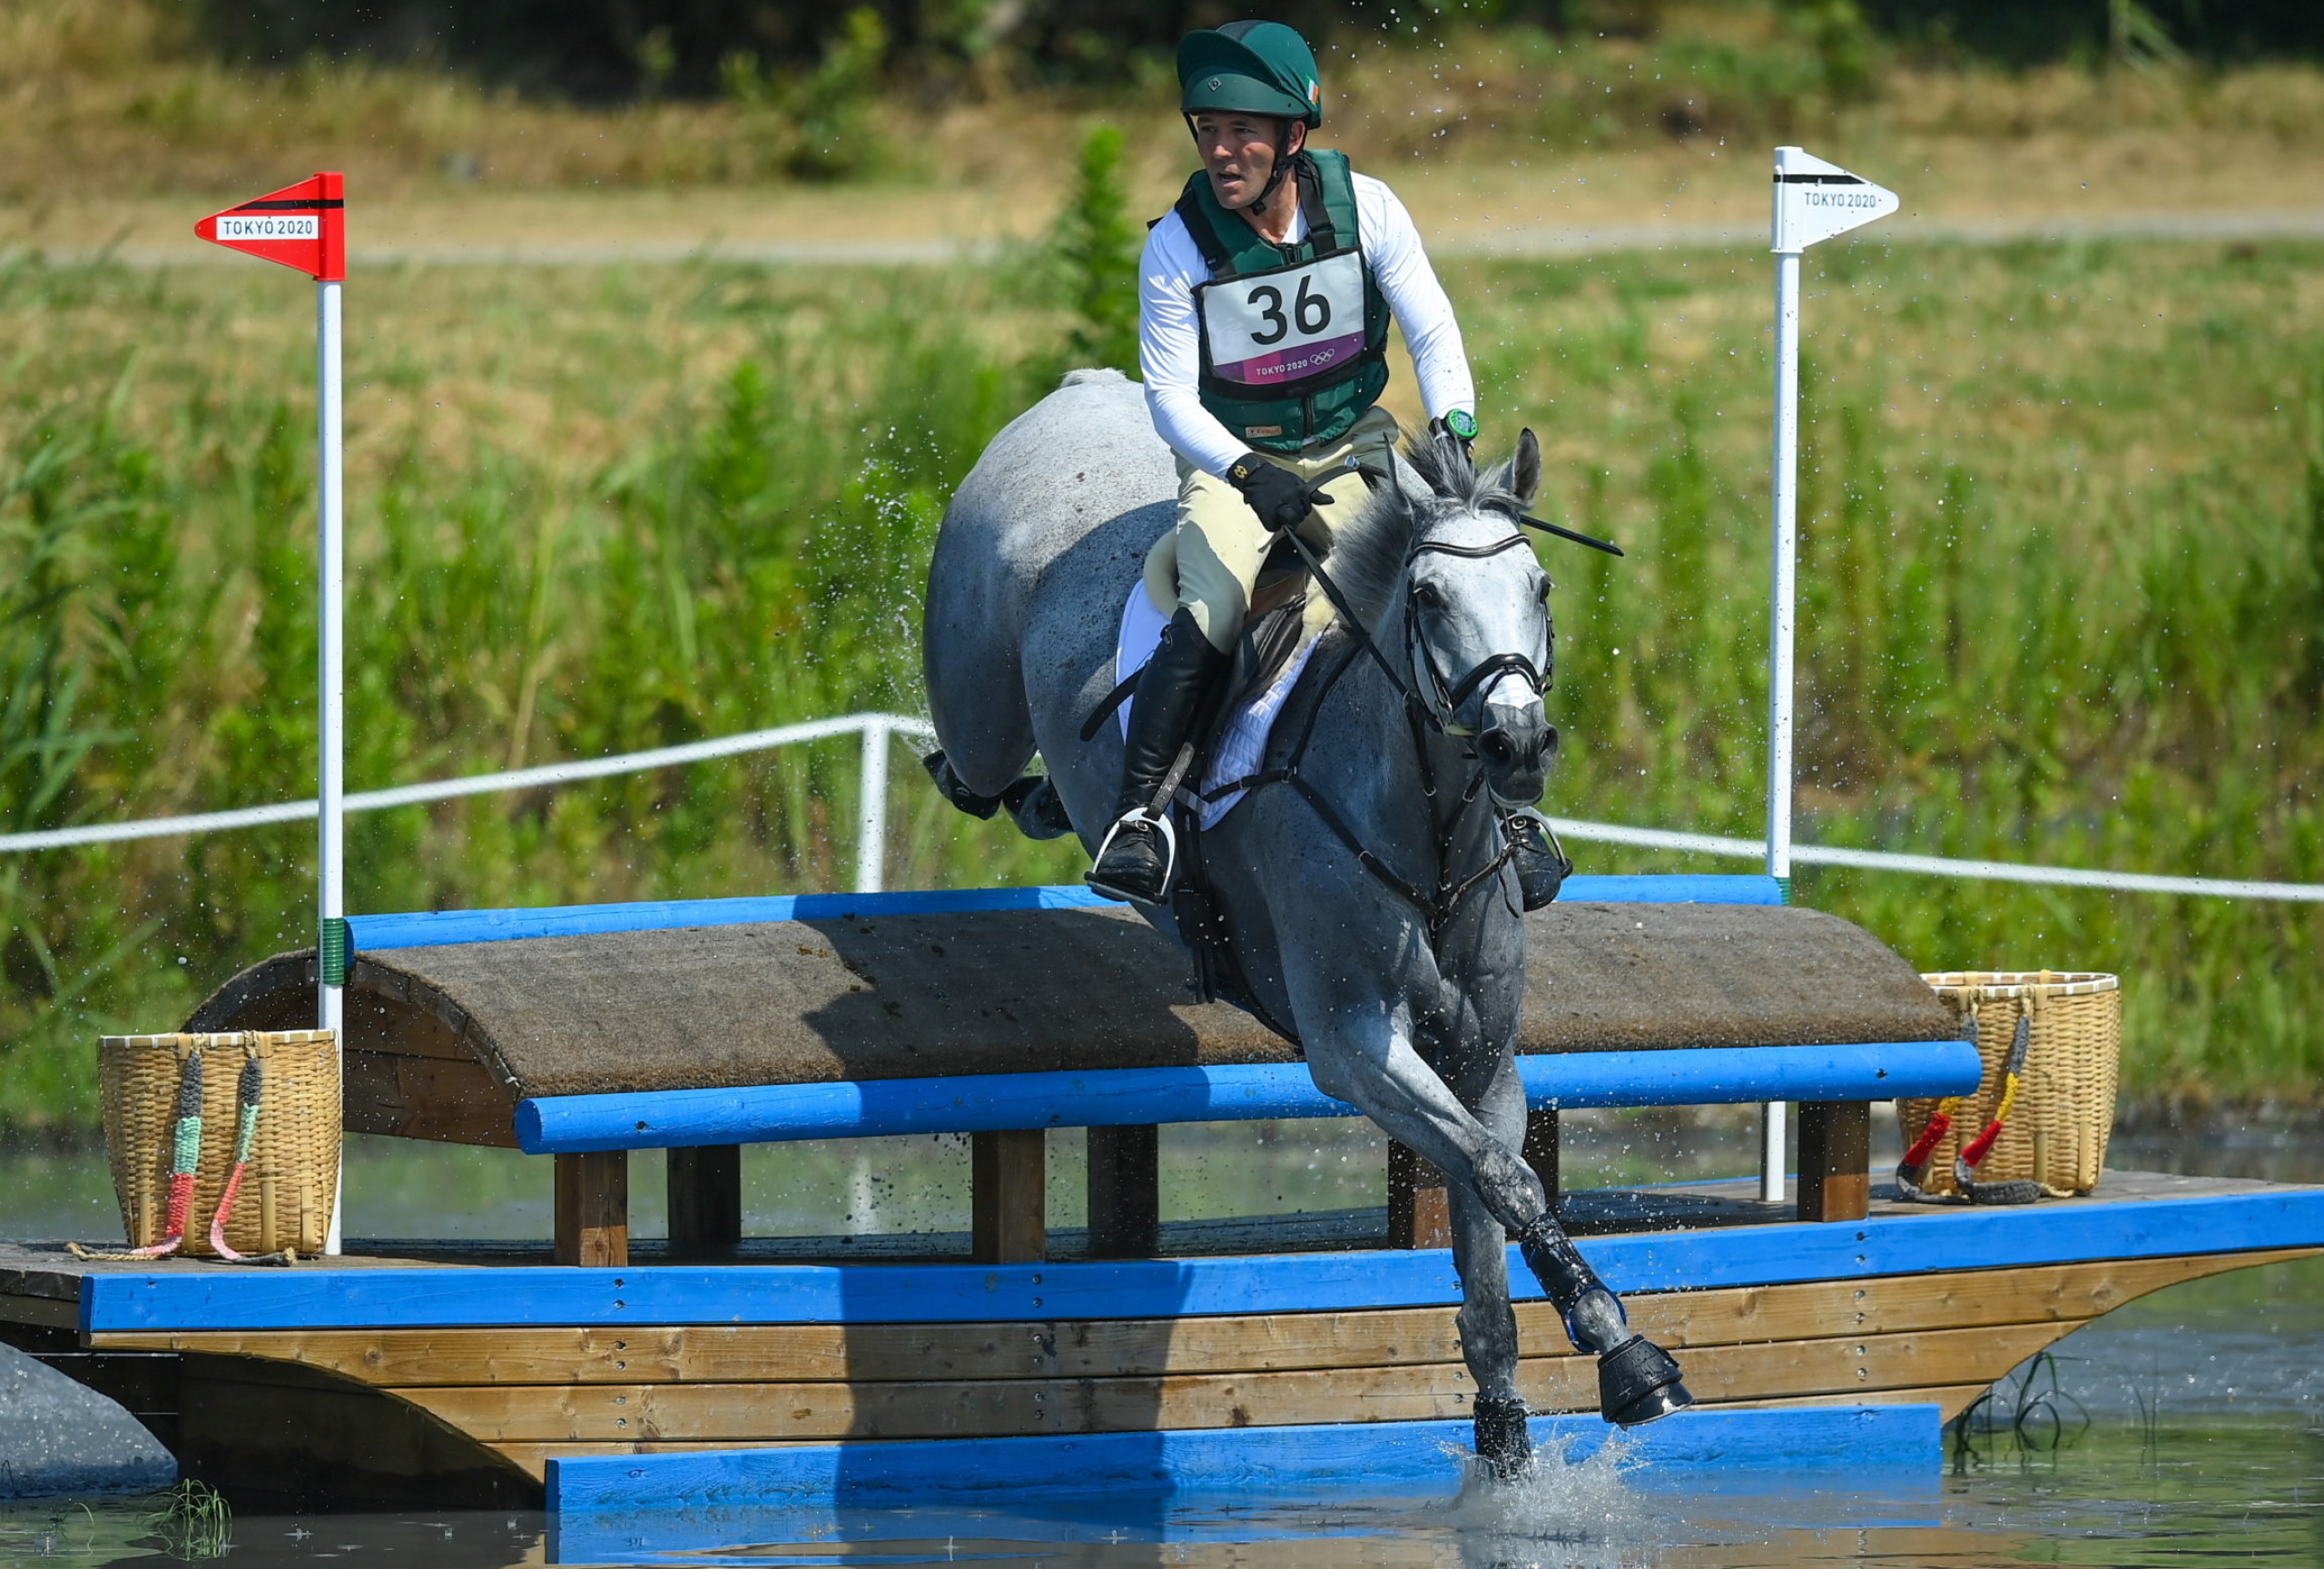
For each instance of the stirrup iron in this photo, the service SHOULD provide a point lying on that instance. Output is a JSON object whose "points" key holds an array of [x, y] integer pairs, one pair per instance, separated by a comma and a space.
{"points": [[1161, 822]]}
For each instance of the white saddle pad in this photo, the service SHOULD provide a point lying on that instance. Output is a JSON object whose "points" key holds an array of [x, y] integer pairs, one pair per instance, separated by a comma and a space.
{"points": [[1243, 745]]}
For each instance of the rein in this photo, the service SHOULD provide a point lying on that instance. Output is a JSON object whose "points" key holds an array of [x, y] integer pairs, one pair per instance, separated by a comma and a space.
{"points": [[1437, 908]]}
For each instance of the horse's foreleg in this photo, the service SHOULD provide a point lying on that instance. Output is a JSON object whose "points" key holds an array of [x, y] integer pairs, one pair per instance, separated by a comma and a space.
{"points": [[1371, 1063], [1368, 1060], [1488, 1325]]}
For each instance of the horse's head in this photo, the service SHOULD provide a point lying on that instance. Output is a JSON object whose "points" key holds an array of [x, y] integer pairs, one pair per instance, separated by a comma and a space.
{"points": [[1447, 576]]}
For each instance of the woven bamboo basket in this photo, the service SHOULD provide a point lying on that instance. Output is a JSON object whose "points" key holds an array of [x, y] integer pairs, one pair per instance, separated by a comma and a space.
{"points": [[2057, 1132], [292, 1177]]}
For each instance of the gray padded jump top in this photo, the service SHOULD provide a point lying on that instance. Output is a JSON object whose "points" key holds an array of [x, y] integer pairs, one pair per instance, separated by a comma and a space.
{"points": [[999, 991]]}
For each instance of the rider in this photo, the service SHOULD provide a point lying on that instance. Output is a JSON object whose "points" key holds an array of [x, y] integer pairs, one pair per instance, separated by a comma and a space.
{"points": [[1264, 301]]}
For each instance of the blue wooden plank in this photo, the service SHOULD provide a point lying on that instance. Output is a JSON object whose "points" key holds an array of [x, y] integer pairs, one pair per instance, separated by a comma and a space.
{"points": [[1865, 1495], [432, 929], [428, 930], [1673, 888], [1117, 1097], [327, 1299], [1231, 1463], [1715, 1075]]}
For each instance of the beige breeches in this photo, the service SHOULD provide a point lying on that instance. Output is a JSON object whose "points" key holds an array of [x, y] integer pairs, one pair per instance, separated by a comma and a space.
{"points": [[1208, 562]]}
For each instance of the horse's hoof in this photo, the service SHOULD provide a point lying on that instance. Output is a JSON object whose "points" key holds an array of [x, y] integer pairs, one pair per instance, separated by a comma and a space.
{"points": [[954, 789], [1036, 809], [1503, 1442], [1637, 1383]]}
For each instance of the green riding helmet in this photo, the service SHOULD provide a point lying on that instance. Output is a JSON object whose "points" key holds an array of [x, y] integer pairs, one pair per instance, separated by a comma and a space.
{"points": [[1250, 68]]}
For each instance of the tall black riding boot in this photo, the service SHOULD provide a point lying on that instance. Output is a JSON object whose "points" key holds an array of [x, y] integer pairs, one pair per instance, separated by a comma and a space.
{"points": [[1637, 1380], [1139, 854]]}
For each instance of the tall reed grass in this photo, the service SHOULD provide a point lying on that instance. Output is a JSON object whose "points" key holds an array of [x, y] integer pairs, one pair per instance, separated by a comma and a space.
{"points": [[2063, 569], [136, 88]]}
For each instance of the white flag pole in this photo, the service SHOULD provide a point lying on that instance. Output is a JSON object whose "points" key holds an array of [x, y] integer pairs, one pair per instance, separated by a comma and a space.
{"points": [[304, 226], [330, 768], [1813, 200]]}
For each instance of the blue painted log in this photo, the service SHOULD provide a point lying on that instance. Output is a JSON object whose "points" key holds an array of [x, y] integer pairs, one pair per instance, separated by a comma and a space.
{"points": [[372, 934], [1125, 1096], [2063, 1232], [1231, 1463]]}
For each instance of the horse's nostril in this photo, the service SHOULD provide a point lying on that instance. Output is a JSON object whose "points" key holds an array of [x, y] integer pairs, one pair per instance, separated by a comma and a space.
{"points": [[1494, 744]]}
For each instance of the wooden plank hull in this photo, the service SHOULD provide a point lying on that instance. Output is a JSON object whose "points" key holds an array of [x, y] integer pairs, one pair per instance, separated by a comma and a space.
{"points": [[480, 1378], [518, 1397]]}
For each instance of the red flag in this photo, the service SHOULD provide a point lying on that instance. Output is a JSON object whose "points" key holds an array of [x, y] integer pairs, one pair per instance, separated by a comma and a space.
{"points": [[302, 226]]}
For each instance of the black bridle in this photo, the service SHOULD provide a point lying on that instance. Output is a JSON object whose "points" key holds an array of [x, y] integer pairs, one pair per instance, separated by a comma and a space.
{"points": [[1439, 711], [1448, 698], [1436, 714]]}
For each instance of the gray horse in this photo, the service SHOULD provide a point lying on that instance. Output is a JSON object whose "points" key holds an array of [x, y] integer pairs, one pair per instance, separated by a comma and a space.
{"points": [[1370, 906]]}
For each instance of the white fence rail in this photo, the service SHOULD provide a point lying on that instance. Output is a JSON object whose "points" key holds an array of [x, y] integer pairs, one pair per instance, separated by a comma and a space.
{"points": [[876, 731], [1940, 866], [870, 822]]}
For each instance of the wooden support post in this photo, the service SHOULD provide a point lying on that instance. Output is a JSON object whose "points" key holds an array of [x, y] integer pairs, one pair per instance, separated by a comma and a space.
{"points": [[593, 1207], [1419, 1214], [705, 1186], [1835, 1160], [1009, 1195], [1541, 1148], [1125, 1192]]}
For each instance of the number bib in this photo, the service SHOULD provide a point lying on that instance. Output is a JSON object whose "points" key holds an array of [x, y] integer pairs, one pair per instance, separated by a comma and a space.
{"points": [[1286, 326]]}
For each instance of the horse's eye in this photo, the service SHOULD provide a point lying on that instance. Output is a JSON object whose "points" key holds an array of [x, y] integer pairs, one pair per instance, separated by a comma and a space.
{"points": [[1425, 595], [1542, 592]]}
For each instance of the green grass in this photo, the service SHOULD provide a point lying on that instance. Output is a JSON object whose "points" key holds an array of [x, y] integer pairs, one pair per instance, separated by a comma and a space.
{"points": [[2063, 595], [2063, 598]]}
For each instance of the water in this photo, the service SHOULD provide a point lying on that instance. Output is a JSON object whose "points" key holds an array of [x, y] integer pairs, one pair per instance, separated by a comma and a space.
{"points": [[2187, 1428]]}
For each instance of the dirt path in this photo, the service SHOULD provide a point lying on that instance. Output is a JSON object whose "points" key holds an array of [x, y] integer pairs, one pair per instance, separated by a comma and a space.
{"points": [[2131, 186], [1515, 242]]}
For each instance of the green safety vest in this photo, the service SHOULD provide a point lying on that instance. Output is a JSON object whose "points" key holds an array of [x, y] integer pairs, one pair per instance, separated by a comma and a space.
{"points": [[1294, 337]]}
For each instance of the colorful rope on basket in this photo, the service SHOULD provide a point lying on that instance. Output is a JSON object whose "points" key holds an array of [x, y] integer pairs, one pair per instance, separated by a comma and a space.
{"points": [[1913, 1168], [185, 1154], [246, 1098], [185, 1158]]}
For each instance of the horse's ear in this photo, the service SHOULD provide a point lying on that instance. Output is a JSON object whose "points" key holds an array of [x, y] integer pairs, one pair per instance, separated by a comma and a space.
{"points": [[1525, 469]]}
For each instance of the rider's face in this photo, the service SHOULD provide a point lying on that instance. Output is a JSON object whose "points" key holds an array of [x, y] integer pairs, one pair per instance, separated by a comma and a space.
{"points": [[1240, 151]]}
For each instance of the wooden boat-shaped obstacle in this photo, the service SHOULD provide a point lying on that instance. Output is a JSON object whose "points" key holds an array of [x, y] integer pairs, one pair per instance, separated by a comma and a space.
{"points": [[1137, 1354]]}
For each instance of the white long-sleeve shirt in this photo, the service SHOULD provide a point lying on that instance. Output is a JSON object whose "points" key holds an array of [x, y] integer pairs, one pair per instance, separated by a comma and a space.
{"points": [[1170, 334]]}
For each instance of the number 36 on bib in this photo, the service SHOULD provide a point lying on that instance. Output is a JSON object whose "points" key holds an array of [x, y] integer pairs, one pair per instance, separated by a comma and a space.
{"points": [[1287, 326]]}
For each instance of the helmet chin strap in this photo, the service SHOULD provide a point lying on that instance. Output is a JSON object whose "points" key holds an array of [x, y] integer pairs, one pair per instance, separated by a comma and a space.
{"points": [[1282, 164]]}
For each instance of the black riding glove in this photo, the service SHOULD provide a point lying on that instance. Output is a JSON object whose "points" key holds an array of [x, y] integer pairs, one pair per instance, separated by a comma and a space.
{"points": [[1281, 498]]}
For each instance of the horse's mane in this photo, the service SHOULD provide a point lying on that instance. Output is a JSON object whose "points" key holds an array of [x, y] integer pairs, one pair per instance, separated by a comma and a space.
{"points": [[1369, 551]]}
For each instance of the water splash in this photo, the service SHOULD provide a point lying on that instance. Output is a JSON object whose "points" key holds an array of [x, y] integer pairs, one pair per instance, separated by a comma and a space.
{"points": [[1572, 1513]]}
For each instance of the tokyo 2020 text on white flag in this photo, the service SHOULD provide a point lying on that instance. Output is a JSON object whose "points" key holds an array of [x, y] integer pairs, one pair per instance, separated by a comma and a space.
{"points": [[1813, 200]]}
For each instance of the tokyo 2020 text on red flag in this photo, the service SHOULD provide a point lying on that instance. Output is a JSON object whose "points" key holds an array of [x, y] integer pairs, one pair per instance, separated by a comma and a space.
{"points": [[302, 226]]}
